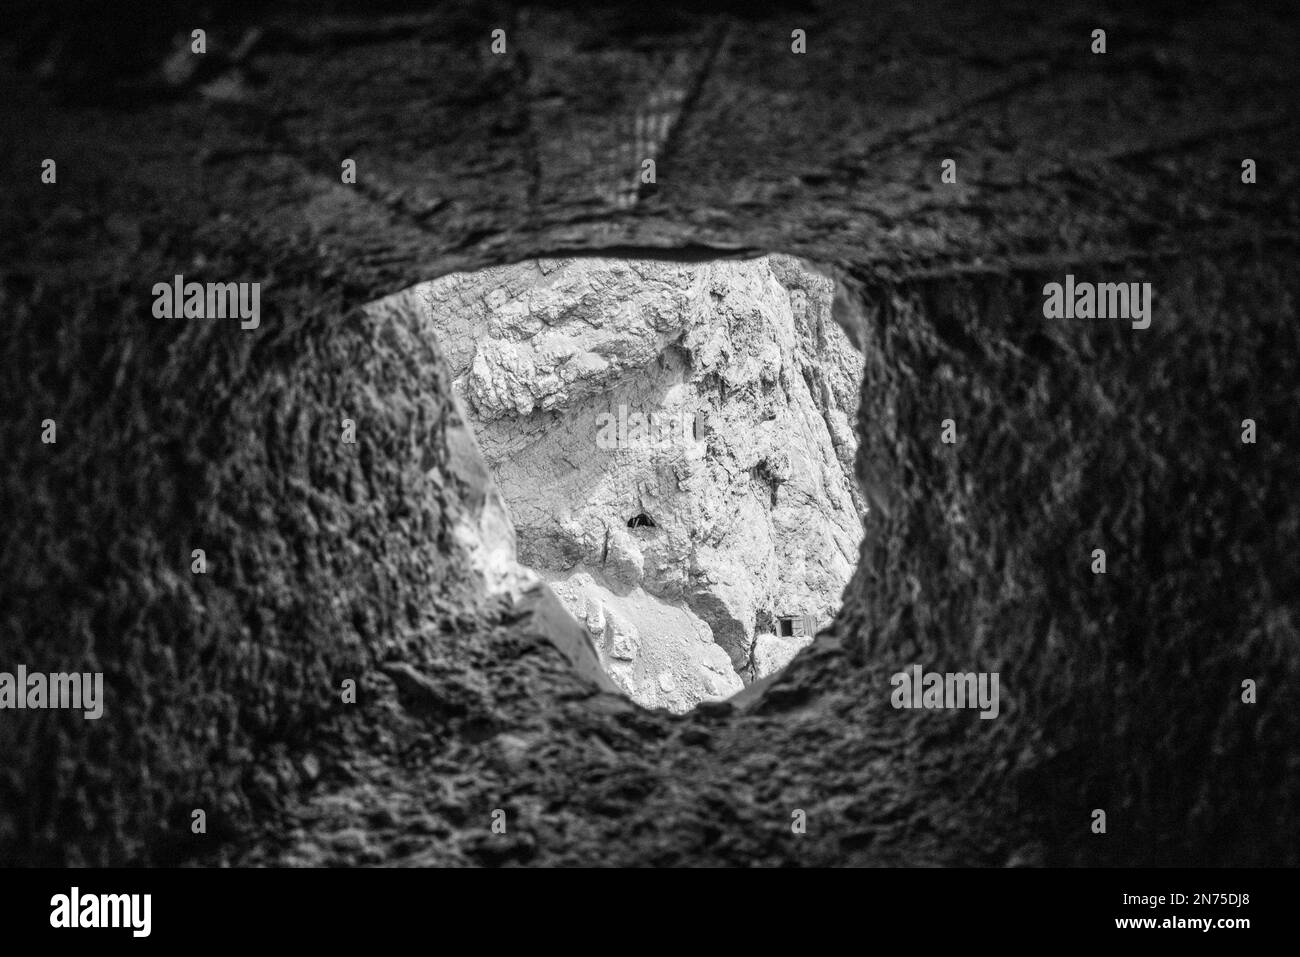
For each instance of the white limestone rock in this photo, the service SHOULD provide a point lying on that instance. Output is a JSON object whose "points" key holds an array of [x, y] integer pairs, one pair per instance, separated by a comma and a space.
{"points": [[715, 398]]}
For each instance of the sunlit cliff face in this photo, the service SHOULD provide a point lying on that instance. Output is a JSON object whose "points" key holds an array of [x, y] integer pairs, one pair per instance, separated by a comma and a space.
{"points": [[672, 446]]}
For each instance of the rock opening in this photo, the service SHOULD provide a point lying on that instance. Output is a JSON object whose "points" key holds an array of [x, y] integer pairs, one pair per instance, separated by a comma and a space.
{"points": [[712, 403]]}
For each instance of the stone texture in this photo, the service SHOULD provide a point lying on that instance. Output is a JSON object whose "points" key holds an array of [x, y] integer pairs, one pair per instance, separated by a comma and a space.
{"points": [[704, 395], [772, 653], [329, 561]]}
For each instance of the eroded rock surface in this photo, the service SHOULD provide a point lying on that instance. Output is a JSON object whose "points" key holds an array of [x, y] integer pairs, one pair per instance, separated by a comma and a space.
{"points": [[327, 560], [672, 441]]}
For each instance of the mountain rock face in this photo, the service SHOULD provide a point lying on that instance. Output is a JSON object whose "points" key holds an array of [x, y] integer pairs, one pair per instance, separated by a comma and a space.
{"points": [[672, 442]]}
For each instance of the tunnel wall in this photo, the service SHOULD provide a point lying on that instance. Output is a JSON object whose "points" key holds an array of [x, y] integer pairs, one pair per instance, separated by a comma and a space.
{"points": [[327, 560], [1123, 690]]}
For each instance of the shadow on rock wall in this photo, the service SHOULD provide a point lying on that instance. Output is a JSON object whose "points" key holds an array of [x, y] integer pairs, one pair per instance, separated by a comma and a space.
{"points": [[331, 562]]}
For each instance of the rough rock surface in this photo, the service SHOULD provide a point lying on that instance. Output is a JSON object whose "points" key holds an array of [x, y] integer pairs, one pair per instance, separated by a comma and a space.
{"points": [[711, 397], [330, 561]]}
